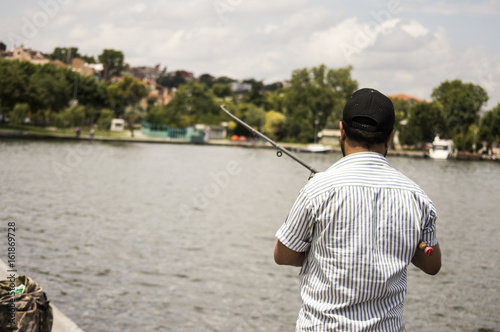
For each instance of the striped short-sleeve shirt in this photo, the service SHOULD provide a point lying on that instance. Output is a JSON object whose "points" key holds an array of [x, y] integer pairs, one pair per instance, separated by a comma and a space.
{"points": [[360, 222]]}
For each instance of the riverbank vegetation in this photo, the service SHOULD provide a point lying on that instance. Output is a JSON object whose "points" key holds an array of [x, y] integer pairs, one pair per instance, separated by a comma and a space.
{"points": [[311, 100]]}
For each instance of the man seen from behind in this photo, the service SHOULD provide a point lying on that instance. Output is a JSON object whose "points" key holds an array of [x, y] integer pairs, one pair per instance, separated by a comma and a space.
{"points": [[356, 227]]}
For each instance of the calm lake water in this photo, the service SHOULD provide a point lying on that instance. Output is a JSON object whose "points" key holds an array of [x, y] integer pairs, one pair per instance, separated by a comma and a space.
{"points": [[160, 237]]}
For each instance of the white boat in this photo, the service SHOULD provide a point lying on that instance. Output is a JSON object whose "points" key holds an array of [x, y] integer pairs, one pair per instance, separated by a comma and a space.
{"points": [[313, 148], [441, 148]]}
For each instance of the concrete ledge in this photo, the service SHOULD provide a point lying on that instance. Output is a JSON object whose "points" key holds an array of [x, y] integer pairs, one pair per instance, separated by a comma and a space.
{"points": [[61, 322]]}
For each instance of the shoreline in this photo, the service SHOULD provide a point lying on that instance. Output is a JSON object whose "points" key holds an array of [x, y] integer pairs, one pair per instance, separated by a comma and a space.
{"points": [[5, 134]]}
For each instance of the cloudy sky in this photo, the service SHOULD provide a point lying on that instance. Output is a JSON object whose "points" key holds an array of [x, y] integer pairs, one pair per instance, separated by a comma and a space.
{"points": [[396, 46]]}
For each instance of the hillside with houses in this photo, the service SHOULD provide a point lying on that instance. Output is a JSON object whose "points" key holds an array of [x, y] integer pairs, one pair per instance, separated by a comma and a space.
{"points": [[65, 89]]}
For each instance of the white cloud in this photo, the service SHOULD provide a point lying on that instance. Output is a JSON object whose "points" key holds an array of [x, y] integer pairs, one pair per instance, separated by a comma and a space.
{"points": [[258, 8], [137, 8], [487, 8], [396, 52], [415, 29]]}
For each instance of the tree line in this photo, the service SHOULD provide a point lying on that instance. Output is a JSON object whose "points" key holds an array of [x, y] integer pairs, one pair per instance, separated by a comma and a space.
{"points": [[311, 100], [454, 113]]}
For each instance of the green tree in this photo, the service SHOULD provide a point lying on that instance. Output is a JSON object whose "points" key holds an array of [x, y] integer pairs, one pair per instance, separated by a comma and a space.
{"points": [[275, 100], [41, 117], [222, 90], [88, 58], [273, 86], [172, 80], [194, 103], [256, 93], [125, 96], [112, 61], [468, 142], [152, 101], [157, 115], [60, 120], [132, 114], [70, 117], [89, 92], [424, 122], [14, 76], [489, 129], [253, 115], [49, 88], [461, 103], [128, 91], [402, 110], [274, 125], [19, 114], [75, 115], [314, 98], [207, 79], [64, 54], [104, 121], [224, 80]]}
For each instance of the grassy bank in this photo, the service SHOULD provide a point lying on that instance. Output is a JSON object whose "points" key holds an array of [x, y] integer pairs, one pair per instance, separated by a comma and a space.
{"points": [[84, 131]]}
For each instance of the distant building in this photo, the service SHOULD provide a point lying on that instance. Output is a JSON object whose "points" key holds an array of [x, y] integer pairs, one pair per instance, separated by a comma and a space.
{"points": [[3, 47], [158, 91], [59, 63], [404, 97], [6, 54], [185, 75], [117, 125], [33, 56], [329, 136], [116, 79], [241, 87], [79, 65], [146, 73], [212, 131]]}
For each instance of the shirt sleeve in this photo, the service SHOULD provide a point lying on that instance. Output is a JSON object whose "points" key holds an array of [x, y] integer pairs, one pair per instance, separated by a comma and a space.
{"points": [[429, 226], [296, 231]]}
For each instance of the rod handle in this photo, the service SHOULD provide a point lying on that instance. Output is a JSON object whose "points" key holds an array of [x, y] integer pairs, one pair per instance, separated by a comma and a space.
{"points": [[425, 248]]}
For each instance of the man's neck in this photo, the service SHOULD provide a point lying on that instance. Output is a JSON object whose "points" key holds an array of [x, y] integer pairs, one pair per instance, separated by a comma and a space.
{"points": [[351, 147]]}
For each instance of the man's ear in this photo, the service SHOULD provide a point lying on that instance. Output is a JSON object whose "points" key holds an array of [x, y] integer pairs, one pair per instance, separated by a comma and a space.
{"points": [[389, 139], [342, 132]]}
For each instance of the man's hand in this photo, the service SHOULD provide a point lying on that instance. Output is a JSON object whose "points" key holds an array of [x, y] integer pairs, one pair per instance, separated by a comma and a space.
{"points": [[428, 264]]}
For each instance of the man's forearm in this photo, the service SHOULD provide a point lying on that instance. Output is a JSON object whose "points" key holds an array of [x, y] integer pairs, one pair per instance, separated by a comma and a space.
{"points": [[286, 256]]}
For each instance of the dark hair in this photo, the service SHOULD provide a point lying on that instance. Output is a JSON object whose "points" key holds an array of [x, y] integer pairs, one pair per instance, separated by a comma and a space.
{"points": [[366, 139]]}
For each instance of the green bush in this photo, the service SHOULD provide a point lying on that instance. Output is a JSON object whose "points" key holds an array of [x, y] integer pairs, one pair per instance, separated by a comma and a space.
{"points": [[104, 121], [19, 114]]}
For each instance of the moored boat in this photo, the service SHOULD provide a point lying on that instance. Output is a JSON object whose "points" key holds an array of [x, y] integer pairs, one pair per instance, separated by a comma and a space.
{"points": [[441, 148], [313, 148]]}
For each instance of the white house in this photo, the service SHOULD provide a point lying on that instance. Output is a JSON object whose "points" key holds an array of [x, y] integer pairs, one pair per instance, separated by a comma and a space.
{"points": [[117, 125]]}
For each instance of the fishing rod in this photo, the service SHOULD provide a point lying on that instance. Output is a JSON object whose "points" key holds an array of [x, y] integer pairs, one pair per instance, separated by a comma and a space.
{"points": [[280, 148], [428, 250]]}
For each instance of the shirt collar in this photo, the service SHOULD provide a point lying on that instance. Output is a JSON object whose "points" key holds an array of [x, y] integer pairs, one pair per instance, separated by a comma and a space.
{"points": [[372, 158]]}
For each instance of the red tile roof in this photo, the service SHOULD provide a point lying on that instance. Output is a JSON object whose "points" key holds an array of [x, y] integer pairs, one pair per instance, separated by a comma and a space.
{"points": [[402, 96]]}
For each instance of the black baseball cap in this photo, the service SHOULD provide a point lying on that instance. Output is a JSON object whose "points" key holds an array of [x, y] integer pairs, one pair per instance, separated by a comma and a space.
{"points": [[369, 103]]}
